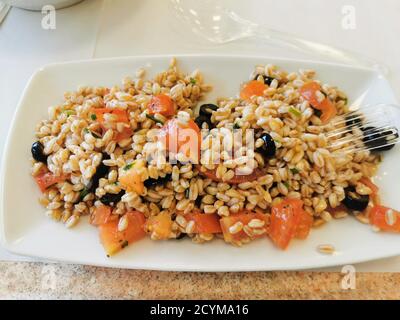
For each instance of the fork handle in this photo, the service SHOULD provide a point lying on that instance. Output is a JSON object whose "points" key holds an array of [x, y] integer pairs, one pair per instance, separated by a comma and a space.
{"points": [[307, 46]]}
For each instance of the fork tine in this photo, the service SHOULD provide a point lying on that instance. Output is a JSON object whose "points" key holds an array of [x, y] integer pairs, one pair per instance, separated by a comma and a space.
{"points": [[353, 149], [374, 127], [385, 132], [361, 124]]}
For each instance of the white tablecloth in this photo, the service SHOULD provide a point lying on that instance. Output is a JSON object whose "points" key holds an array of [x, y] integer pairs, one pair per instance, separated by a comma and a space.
{"points": [[106, 28]]}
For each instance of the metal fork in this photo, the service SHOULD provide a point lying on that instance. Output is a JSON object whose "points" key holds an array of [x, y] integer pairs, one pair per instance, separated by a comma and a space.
{"points": [[375, 128], [4, 8]]}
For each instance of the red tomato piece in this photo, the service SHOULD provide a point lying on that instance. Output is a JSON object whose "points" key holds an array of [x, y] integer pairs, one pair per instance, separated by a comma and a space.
{"points": [[309, 92], [237, 179], [46, 179], [125, 134], [160, 225], [244, 218], [385, 218], [289, 220], [162, 104], [185, 139], [204, 223], [101, 215], [328, 110], [252, 88], [121, 114], [114, 240]]}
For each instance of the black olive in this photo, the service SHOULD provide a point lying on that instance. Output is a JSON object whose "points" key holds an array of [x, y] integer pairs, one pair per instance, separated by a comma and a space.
{"points": [[181, 236], [355, 201], [156, 182], [207, 109], [203, 119], [318, 113], [353, 120], [101, 172], [267, 80], [268, 149], [109, 198], [376, 139], [197, 202], [37, 152]]}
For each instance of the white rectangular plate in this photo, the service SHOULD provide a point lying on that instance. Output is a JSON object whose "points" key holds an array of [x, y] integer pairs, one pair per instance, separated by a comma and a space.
{"points": [[27, 231]]}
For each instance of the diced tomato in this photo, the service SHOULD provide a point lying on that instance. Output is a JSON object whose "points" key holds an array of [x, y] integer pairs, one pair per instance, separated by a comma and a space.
{"points": [[244, 218], [121, 114], [114, 240], [46, 179], [237, 179], [179, 138], [162, 104], [204, 223], [385, 218], [160, 226], [289, 220], [328, 110], [131, 178], [125, 134], [100, 215], [308, 92], [366, 181], [252, 88]]}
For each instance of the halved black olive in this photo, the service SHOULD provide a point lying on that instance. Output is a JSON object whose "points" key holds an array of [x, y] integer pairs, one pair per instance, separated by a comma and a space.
{"points": [[101, 172], [37, 151], [267, 80], [355, 201], [109, 198], [376, 139], [203, 119], [268, 149], [157, 182], [207, 109]]}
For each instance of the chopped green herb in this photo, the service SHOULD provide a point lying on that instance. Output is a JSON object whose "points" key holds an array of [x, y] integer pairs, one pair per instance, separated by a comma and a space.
{"points": [[287, 185], [187, 191], [83, 193], [93, 117], [86, 130], [295, 111], [149, 116], [236, 126], [193, 81], [68, 112], [294, 170], [124, 244], [128, 166]]}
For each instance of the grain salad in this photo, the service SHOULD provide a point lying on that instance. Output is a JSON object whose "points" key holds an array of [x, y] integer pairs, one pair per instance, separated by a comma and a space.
{"points": [[154, 158]]}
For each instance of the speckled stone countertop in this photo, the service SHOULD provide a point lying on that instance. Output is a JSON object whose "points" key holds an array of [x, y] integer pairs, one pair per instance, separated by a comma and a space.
{"points": [[22, 280]]}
